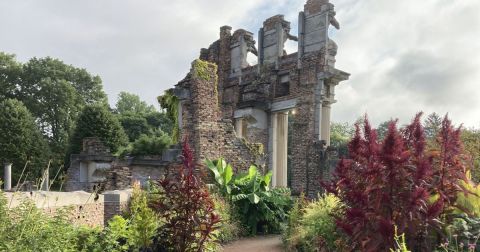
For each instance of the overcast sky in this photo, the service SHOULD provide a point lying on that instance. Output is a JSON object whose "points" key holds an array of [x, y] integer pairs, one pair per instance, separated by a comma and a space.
{"points": [[404, 56]]}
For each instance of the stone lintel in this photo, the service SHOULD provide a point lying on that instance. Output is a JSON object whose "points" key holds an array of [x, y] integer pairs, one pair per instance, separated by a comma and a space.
{"points": [[283, 105]]}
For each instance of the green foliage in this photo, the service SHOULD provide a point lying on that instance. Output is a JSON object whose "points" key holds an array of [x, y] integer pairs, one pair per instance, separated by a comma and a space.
{"points": [[154, 144], [134, 125], [471, 142], [53, 92], [26, 228], [131, 103], [144, 221], [170, 102], [21, 140], [470, 201], [97, 121], [400, 243], [259, 207], [463, 233], [223, 174], [340, 135], [230, 228], [313, 225]]}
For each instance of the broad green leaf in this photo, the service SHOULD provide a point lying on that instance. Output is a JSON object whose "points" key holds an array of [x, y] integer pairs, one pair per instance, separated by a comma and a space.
{"points": [[228, 174], [254, 198]]}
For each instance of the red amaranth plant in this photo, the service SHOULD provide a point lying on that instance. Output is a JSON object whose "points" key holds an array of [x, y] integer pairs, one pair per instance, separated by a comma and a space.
{"points": [[398, 182], [186, 207]]}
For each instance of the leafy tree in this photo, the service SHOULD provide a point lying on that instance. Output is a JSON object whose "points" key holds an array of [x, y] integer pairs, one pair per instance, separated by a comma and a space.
{"points": [[134, 125], [10, 73], [97, 121], [20, 139], [433, 124], [340, 135], [53, 92], [471, 141], [138, 118], [131, 103], [160, 120], [399, 182]]}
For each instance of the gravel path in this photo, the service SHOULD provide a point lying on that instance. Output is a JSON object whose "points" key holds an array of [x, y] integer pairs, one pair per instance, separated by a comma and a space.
{"points": [[271, 243]]}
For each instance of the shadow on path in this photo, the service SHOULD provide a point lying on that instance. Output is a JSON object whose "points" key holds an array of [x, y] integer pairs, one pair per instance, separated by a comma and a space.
{"points": [[270, 243]]}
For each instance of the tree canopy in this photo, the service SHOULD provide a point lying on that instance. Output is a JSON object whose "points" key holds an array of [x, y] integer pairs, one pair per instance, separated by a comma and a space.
{"points": [[131, 103], [21, 140], [97, 121], [52, 91]]}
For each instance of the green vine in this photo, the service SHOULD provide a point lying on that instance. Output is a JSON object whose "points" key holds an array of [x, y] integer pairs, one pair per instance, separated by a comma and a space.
{"points": [[170, 102]]}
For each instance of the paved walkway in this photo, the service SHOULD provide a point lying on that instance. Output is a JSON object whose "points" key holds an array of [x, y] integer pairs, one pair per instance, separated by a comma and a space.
{"points": [[270, 243]]}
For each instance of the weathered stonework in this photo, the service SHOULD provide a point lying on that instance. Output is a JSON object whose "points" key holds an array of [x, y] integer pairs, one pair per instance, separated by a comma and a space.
{"points": [[231, 105], [96, 169]]}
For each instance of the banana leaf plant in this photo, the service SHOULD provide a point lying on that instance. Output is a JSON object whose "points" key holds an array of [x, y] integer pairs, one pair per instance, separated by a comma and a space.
{"points": [[223, 174]]}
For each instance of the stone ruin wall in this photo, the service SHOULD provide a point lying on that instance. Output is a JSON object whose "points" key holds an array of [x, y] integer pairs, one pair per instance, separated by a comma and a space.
{"points": [[242, 89], [82, 208], [209, 135]]}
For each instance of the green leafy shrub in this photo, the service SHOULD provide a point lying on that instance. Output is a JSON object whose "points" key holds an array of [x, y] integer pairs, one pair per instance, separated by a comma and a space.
{"points": [[259, 207], [312, 225], [97, 121], [143, 221], [463, 233], [153, 144], [469, 202], [230, 227], [27, 228]]}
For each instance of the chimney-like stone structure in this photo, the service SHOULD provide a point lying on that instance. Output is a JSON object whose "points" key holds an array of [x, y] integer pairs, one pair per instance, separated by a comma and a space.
{"points": [[7, 177]]}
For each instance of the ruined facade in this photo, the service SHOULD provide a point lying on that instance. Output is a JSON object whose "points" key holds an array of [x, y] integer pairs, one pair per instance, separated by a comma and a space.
{"points": [[275, 113]]}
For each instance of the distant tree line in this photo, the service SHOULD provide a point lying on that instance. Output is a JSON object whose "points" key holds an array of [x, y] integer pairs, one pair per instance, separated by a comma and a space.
{"points": [[47, 107], [341, 133]]}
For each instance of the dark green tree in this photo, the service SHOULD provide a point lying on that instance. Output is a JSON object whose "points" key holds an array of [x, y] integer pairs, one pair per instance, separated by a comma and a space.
{"points": [[10, 75], [21, 140], [97, 121], [134, 125]]}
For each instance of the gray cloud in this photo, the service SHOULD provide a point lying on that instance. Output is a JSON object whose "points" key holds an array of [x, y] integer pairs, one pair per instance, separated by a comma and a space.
{"points": [[404, 56]]}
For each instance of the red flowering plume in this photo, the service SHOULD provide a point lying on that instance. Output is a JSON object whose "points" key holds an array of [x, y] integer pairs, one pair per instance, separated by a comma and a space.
{"points": [[390, 183], [187, 208]]}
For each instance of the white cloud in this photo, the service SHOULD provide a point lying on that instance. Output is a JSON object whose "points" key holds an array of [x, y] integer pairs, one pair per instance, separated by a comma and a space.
{"points": [[404, 56]]}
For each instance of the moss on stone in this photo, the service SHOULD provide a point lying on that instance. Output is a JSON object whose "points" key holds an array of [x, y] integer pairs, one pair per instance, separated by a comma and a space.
{"points": [[201, 70]]}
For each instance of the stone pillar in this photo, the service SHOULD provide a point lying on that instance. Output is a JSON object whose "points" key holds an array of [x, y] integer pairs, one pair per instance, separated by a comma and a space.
{"points": [[45, 180], [7, 177], [239, 127], [111, 206], [282, 149], [326, 123], [318, 108], [272, 147]]}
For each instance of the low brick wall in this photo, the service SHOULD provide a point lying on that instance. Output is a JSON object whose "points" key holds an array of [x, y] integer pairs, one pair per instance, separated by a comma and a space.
{"points": [[84, 208]]}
